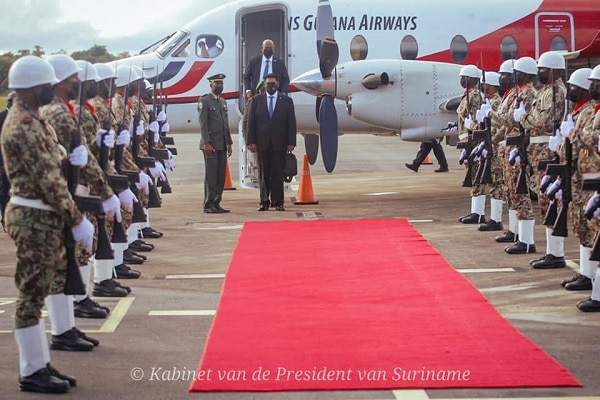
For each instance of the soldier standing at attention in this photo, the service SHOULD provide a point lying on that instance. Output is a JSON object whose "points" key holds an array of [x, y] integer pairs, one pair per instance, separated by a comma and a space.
{"points": [[39, 208], [215, 143]]}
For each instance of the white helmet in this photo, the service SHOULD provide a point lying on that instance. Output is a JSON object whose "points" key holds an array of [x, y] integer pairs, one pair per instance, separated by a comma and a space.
{"points": [[595, 75], [492, 78], [64, 66], [147, 84], [139, 71], [507, 66], [125, 75], [87, 72], [105, 71], [526, 65], [552, 60], [580, 78], [30, 71], [471, 71]]}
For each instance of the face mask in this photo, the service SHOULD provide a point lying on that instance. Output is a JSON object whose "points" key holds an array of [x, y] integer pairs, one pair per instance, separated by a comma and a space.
{"points": [[271, 88], [573, 95], [268, 52], [594, 91], [46, 95], [463, 81], [505, 81], [218, 90], [92, 90], [543, 78], [74, 92]]}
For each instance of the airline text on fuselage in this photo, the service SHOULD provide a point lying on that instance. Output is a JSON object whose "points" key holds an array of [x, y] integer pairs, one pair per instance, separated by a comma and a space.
{"points": [[363, 23]]}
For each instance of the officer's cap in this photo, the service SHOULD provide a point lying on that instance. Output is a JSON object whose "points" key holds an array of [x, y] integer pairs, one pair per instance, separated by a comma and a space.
{"points": [[216, 78], [262, 82]]}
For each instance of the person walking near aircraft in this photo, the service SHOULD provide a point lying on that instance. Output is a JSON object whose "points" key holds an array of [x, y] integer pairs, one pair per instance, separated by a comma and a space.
{"points": [[215, 144], [541, 123], [424, 150], [469, 104], [271, 132], [262, 65]]}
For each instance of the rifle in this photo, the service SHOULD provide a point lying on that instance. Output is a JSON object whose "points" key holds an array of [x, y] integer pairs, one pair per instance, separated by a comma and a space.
{"points": [[550, 187], [560, 226], [520, 142], [465, 159], [484, 172], [593, 184]]}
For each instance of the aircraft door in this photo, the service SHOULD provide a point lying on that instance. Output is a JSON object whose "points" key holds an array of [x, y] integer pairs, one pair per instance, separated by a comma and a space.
{"points": [[554, 31]]}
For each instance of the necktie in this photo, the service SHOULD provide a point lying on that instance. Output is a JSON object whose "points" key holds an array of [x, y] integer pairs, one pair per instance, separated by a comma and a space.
{"points": [[266, 71], [271, 106]]}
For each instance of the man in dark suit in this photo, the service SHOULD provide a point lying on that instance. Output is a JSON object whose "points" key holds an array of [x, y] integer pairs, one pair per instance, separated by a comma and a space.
{"points": [[262, 65], [271, 132]]}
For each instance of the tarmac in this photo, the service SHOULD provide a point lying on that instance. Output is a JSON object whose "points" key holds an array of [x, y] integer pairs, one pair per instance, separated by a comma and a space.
{"points": [[154, 338]]}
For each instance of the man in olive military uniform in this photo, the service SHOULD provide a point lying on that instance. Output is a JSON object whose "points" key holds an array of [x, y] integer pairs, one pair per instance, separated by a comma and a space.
{"points": [[215, 143]]}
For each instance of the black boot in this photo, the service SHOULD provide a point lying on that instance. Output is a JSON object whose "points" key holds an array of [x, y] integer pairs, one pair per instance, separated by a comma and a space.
{"points": [[70, 341], [87, 308], [94, 342], [42, 381], [54, 372], [412, 167]]}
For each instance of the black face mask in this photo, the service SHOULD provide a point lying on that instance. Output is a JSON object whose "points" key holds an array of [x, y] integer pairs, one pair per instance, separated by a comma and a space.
{"points": [[46, 95], [74, 92], [505, 81], [594, 93], [218, 90], [268, 52], [92, 90], [543, 77], [573, 95], [464, 81], [271, 88]]}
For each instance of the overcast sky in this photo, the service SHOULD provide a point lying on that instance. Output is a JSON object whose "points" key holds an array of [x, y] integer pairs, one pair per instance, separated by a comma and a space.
{"points": [[73, 25]]}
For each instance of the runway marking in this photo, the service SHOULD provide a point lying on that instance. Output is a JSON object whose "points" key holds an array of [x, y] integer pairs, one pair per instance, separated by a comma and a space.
{"points": [[417, 221], [508, 288], [191, 276], [532, 310], [380, 194], [484, 270], [179, 313], [116, 316], [310, 215], [215, 227], [410, 394]]}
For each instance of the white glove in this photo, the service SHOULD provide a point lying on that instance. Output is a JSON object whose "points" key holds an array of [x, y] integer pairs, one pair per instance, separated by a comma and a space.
{"points": [[127, 198], [554, 141], [99, 136], [158, 171], [79, 156], [139, 130], [451, 129], [112, 207], [123, 138], [514, 155], [545, 179], [84, 234], [468, 122], [165, 128], [109, 139], [558, 195], [484, 111], [519, 112], [552, 188], [567, 126], [161, 117], [153, 126], [170, 162], [144, 183], [484, 153]]}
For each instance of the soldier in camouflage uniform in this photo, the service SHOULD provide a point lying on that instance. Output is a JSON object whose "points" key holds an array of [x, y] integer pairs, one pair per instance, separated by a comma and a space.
{"points": [[525, 70], [541, 123], [39, 208], [469, 104], [589, 167], [580, 118], [492, 103]]}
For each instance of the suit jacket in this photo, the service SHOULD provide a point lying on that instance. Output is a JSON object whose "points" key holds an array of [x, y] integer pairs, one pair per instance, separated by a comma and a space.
{"points": [[254, 74], [277, 132]]}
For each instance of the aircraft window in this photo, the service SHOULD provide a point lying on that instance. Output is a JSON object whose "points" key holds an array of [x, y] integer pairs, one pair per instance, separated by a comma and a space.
{"points": [[183, 50], [558, 43], [209, 46], [409, 48], [359, 48], [508, 48], [171, 43], [459, 48]]}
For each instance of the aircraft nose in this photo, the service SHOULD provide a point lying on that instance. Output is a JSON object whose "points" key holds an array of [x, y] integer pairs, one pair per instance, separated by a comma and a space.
{"points": [[312, 82]]}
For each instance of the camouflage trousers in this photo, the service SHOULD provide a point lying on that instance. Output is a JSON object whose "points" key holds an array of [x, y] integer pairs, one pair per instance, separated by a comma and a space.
{"points": [[581, 225], [496, 188], [521, 203], [476, 189], [540, 152], [39, 236]]}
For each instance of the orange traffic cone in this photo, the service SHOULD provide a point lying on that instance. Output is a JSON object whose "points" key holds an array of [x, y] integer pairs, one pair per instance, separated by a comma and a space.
{"points": [[427, 161], [305, 191], [228, 182]]}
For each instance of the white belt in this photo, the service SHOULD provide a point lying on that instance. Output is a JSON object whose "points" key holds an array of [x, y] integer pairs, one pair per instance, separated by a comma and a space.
{"points": [[31, 203], [463, 136], [539, 139], [591, 175]]}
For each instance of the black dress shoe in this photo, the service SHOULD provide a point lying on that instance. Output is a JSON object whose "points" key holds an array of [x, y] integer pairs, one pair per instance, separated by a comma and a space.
{"points": [[218, 207], [589, 305], [123, 271], [491, 225], [280, 208], [520, 248], [412, 167], [550, 262], [70, 341], [506, 237], [263, 207], [141, 246], [94, 342], [42, 381], [108, 288], [150, 233], [54, 372], [212, 210], [564, 282], [119, 285], [581, 283], [135, 254], [441, 169], [129, 258], [533, 261], [87, 308], [472, 218]]}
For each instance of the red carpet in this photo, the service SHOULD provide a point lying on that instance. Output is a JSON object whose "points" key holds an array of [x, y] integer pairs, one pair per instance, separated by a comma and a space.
{"points": [[358, 304]]}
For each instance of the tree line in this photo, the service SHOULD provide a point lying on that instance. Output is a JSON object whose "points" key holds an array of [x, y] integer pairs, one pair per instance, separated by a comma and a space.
{"points": [[95, 54]]}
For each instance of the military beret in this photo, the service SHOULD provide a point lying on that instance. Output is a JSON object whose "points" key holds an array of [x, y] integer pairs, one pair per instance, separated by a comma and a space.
{"points": [[216, 78]]}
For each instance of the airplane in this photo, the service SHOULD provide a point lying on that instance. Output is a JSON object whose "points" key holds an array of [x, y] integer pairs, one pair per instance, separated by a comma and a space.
{"points": [[397, 70]]}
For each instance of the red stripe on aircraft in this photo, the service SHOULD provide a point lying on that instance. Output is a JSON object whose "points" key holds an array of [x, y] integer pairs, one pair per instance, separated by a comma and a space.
{"points": [[190, 80]]}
